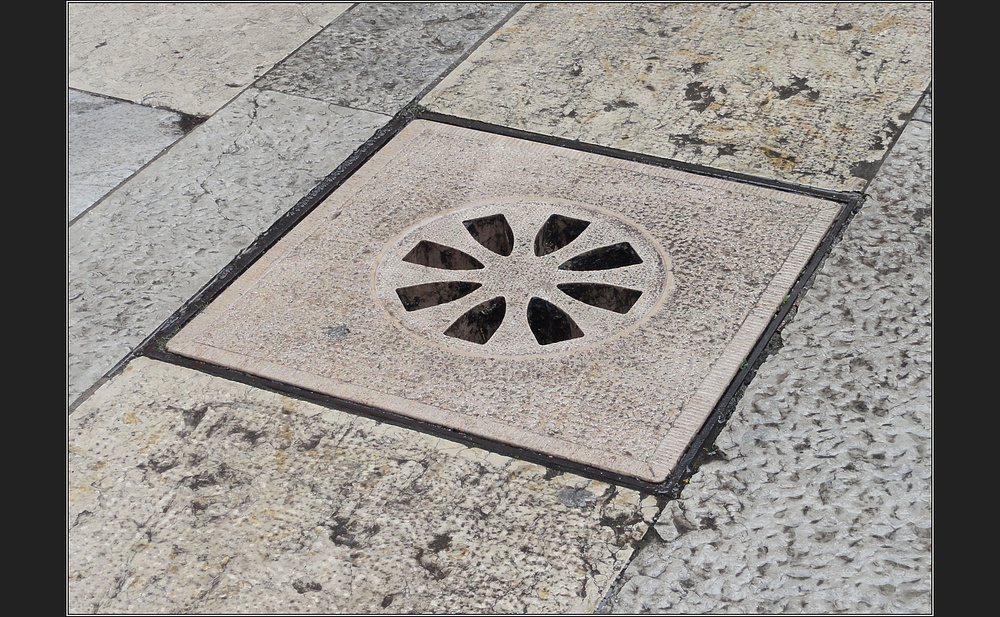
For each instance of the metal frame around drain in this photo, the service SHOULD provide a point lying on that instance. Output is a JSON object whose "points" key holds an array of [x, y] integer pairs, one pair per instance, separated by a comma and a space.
{"points": [[154, 346]]}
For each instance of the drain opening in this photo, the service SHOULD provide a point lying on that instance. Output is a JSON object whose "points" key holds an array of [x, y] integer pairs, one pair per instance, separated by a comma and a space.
{"points": [[550, 324], [434, 255], [417, 297], [526, 243], [605, 258], [557, 232], [493, 232], [608, 297], [478, 324]]}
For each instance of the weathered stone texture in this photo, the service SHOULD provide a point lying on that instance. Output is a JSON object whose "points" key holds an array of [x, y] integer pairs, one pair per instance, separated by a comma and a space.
{"points": [[806, 93], [191, 57], [189, 493], [819, 497], [378, 56], [153, 243]]}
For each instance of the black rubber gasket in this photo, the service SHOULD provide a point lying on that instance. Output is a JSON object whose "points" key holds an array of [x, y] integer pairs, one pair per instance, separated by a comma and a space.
{"points": [[154, 346]]}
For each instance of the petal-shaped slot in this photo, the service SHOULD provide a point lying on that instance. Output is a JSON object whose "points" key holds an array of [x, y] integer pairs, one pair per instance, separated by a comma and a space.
{"points": [[493, 232], [416, 297], [550, 324], [479, 323], [557, 232], [604, 258], [434, 255], [608, 297]]}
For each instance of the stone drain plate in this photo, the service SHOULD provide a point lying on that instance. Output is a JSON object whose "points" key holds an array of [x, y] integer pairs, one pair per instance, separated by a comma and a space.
{"points": [[489, 279], [575, 305]]}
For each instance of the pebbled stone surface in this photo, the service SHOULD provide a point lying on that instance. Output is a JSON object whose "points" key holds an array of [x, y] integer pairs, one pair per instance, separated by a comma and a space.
{"points": [[153, 243], [189, 57], [189, 493], [109, 141], [819, 497], [806, 93], [379, 56]]}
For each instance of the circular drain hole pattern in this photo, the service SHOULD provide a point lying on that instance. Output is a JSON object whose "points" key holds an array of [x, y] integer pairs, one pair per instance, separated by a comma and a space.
{"points": [[521, 278]]}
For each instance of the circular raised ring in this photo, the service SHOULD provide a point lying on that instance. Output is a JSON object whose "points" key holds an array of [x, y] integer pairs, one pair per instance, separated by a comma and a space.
{"points": [[521, 277]]}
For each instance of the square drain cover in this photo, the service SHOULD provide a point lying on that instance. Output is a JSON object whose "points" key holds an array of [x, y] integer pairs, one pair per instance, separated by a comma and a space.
{"points": [[583, 307]]}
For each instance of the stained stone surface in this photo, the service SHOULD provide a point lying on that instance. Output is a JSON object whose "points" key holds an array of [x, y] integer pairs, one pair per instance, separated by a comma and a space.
{"points": [[189, 57], [110, 140], [379, 56], [189, 493], [806, 93], [148, 247], [625, 393], [819, 499]]}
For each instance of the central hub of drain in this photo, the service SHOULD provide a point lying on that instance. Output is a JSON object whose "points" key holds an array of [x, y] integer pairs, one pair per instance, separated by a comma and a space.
{"points": [[521, 278]]}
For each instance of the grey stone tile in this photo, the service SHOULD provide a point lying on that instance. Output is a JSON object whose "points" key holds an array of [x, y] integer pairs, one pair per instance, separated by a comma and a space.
{"points": [[189, 493], [819, 498], [191, 57], [340, 305], [109, 141], [809, 93], [378, 56], [149, 246]]}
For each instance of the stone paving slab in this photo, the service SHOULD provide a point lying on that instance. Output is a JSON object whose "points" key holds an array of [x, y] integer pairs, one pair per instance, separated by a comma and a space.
{"points": [[189, 493], [153, 243], [807, 93], [818, 500], [761, 529], [344, 305], [379, 56], [110, 140], [189, 57]]}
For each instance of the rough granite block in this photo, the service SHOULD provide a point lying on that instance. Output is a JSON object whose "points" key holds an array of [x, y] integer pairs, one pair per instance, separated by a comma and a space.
{"points": [[190, 57], [379, 56], [807, 93], [190, 493], [588, 308], [153, 243]]}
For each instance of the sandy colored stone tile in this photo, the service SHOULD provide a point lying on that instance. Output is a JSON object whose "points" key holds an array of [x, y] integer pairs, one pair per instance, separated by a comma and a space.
{"points": [[379, 56], [190, 493], [608, 348], [110, 140], [807, 93], [189, 57], [152, 244]]}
